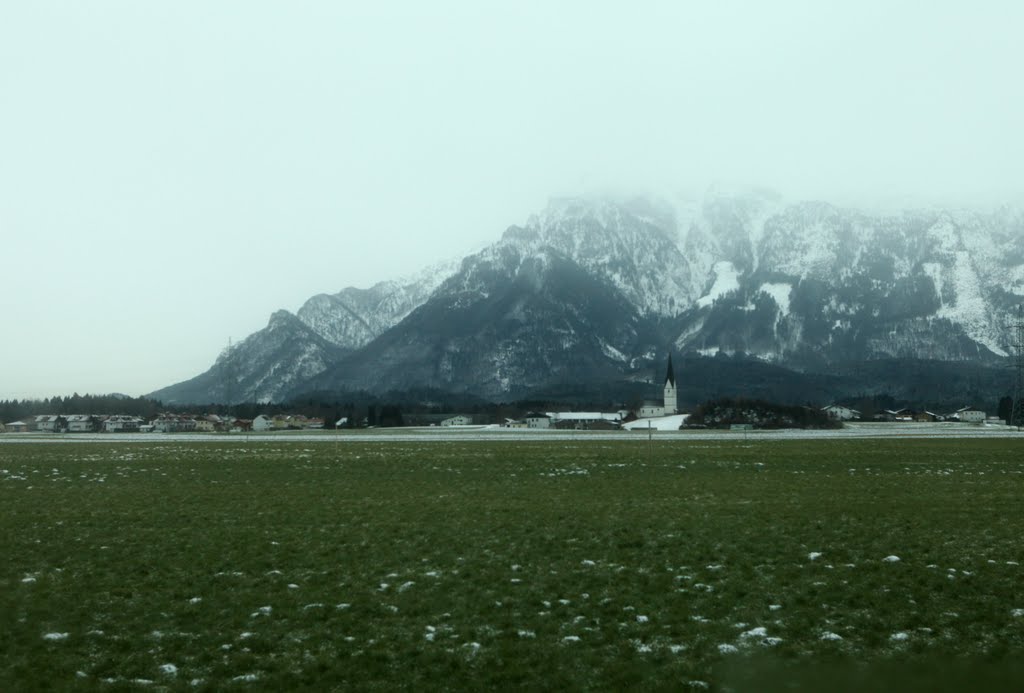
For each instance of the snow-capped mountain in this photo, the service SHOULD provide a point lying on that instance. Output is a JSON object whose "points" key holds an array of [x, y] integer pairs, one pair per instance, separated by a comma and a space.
{"points": [[598, 290], [354, 317]]}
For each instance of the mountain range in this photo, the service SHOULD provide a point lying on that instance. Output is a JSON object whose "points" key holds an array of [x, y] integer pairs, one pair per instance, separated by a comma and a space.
{"points": [[592, 294]]}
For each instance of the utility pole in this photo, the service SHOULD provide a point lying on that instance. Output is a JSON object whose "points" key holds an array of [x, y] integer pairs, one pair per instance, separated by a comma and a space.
{"points": [[1017, 410]]}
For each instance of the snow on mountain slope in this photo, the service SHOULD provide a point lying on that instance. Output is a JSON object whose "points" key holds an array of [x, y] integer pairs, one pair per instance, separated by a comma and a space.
{"points": [[632, 244], [354, 317]]}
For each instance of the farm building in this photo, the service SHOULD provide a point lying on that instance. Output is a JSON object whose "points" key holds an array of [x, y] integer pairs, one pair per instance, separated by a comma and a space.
{"points": [[584, 420]]}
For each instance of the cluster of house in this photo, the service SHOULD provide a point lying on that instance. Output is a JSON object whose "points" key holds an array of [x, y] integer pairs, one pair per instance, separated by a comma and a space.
{"points": [[164, 423], [962, 415], [79, 423]]}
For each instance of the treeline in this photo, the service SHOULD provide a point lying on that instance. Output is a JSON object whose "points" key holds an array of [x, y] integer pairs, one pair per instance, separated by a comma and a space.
{"points": [[16, 410], [723, 413]]}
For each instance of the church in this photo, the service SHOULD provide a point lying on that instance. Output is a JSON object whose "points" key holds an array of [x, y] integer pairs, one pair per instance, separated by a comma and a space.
{"points": [[669, 404]]}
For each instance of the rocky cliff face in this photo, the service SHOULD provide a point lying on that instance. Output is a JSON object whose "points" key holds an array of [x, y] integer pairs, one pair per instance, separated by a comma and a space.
{"points": [[352, 318], [599, 290]]}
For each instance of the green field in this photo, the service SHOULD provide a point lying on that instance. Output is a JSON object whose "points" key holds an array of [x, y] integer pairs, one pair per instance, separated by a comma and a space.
{"points": [[534, 565]]}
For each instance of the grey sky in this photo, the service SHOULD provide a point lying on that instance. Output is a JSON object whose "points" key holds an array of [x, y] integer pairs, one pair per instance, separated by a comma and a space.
{"points": [[172, 172]]}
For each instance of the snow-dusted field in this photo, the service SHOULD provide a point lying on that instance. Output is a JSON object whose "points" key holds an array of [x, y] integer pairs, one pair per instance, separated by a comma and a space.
{"points": [[489, 561]]}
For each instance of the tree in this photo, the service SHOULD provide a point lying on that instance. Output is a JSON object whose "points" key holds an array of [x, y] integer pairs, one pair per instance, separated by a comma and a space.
{"points": [[1005, 409]]}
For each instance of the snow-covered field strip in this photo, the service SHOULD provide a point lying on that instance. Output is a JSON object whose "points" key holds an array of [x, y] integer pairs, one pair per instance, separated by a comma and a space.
{"points": [[549, 562], [497, 433]]}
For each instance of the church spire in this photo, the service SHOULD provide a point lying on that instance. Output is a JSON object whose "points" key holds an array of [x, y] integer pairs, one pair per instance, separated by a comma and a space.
{"points": [[670, 376], [671, 402]]}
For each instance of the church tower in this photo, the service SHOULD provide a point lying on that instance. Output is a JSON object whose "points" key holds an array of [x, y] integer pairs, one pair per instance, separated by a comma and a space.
{"points": [[671, 406]]}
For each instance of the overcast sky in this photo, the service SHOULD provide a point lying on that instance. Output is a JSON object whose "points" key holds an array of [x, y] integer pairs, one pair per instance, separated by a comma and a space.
{"points": [[173, 172]]}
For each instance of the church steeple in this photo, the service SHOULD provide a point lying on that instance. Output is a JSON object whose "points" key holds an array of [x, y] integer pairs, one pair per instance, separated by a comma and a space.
{"points": [[671, 402], [670, 376]]}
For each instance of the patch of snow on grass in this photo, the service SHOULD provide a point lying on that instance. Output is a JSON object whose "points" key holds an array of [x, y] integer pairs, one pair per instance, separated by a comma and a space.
{"points": [[760, 633], [726, 648], [55, 637], [829, 635], [813, 555], [168, 669], [899, 637], [891, 559]]}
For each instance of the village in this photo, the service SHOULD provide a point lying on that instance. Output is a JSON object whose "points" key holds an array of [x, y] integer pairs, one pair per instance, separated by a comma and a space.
{"points": [[650, 414]]}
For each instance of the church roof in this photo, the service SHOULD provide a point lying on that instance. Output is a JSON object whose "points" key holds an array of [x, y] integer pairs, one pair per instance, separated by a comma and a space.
{"points": [[670, 376]]}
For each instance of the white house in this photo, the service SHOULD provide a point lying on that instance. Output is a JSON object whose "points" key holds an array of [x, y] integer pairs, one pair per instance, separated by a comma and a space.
{"points": [[459, 420], [82, 423], [972, 416], [50, 423], [841, 413], [263, 423], [536, 419], [172, 423], [122, 423]]}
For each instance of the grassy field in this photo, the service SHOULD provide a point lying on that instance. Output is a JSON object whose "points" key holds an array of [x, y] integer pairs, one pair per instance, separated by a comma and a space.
{"points": [[558, 565]]}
